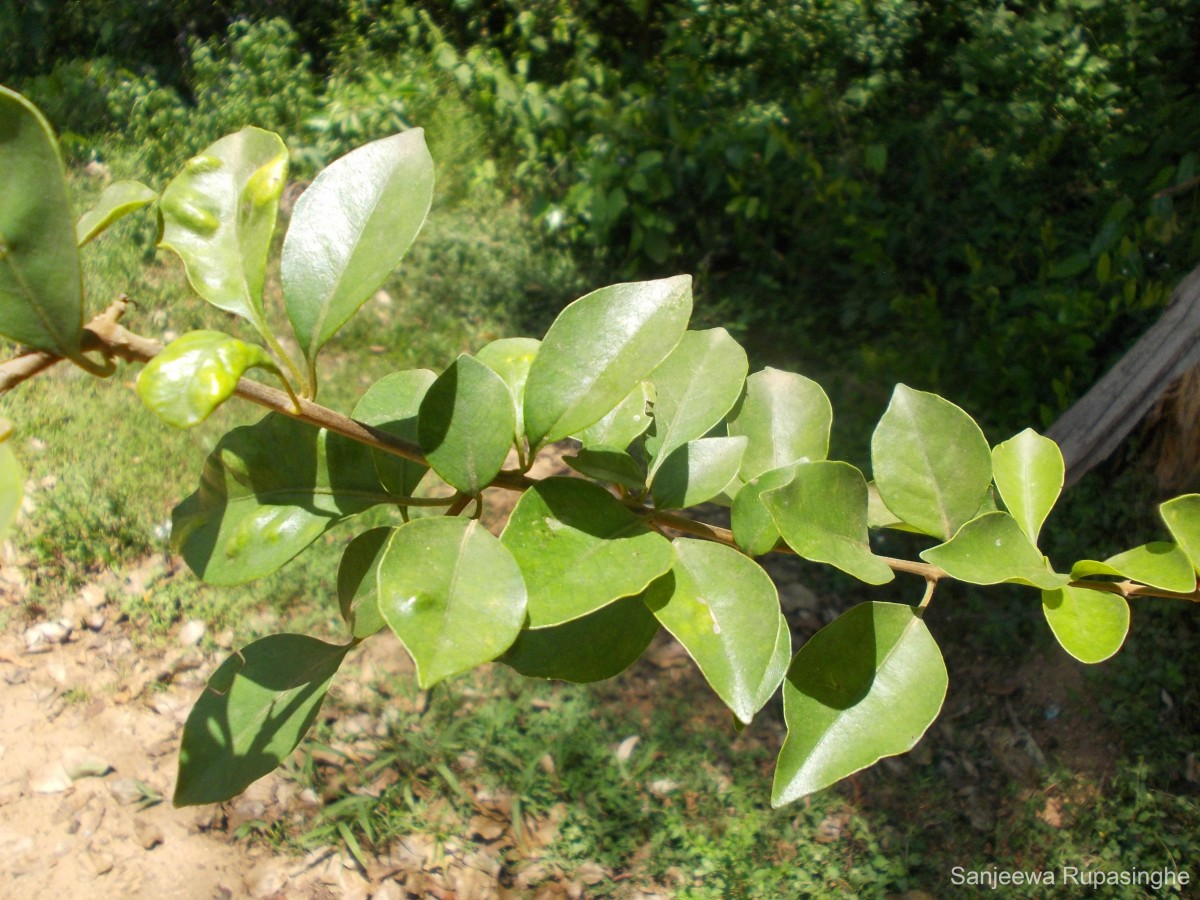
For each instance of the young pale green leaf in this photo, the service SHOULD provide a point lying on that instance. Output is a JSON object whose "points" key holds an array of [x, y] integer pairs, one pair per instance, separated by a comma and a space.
{"points": [[594, 647], [511, 358], [1160, 564], [932, 464], [993, 549], [41, 290], [695, 386], [1182, 516], [116, 201], [196, 373], [598, 350], [466, 425], [12, 480], [349, 230], [866, 686], [256, 708], [879, 516], [822, 515], [268, 490], [580, 549], [625, 423], [219, 216], [609, 464], [452, 593], [723, 608], [1029, 473], [787, 418], [698, 471], [1090, 625], [754, 527], [358, 582], [391, 404]]}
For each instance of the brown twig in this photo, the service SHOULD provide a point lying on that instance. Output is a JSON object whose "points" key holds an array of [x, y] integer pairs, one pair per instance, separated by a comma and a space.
{"points": [[105, 335]]}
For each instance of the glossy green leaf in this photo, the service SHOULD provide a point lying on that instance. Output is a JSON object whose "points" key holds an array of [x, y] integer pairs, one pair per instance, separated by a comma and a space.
{"points": [[723, 608], [580, 549], [391, 404], [753, 526], [357, 582], [822, 515], [1160, 564], [116, 201], [932, 464], [452, 593], [41, 292], [598, 350], [258, 705], [12, 480], [787, 418], [609, 464], [466, 425], [350, 230], [268, 490], [625, 423], [1029, 472], [196, 373], [219, 216], [695, 386], [1182, 515], [594, 647], [866, 686], [511, 358], [993, 549], [698, 471], [1090, 625]]}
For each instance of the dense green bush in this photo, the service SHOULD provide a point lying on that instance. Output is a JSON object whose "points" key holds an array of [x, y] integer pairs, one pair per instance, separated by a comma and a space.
{"points": [[1005, 182], [982, 175]]}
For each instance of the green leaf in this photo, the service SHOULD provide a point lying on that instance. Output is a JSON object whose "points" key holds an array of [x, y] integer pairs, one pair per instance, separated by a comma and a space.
{"points": [[597, 351], [41, 290], [196, 373], [1029, 473], [116, 201], [723, 608], [1159, 564], [391, 404], [12, 479], [350, 230], [511, 358], [1182, 515], [932, 464], [698, 471], [787, 418], [268, 490], [695, 386], [993, 549], [466, 425], [822, 515], [580, 549], [219, 216], [625, 423], [754, 527], [866, 686], [594, 647], [1090, 625], [357, 582], [452, 593], [256, 708], [609, 464]]}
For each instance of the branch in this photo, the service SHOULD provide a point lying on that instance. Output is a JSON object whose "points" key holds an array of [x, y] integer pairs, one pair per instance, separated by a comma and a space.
{"points": [[105, 335]]}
